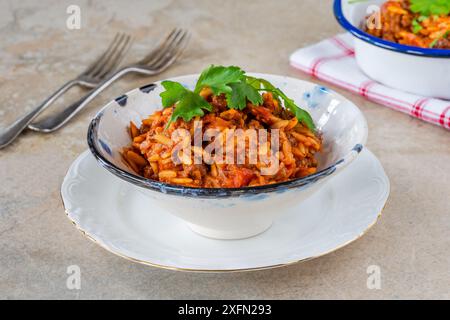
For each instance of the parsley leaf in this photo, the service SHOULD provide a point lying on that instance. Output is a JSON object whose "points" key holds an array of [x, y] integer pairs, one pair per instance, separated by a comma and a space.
{"points": [[430, 7], [302, 115], [260, 83], [174, 92], [416, 26], [218, 78], [187, 103], [241, 92], [237, 87], [190, 106]]}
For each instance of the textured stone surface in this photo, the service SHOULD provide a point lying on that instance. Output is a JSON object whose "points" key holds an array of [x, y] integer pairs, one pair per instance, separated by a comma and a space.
{"points": [[37, 242]]}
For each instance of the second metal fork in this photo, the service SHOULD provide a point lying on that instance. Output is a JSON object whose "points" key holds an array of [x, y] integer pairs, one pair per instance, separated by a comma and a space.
{"points": [[90, 78], [165, 54]]}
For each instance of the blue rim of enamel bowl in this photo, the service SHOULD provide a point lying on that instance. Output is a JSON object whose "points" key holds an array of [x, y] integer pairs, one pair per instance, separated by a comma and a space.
{"points": [[95, 146], [358, 33]]}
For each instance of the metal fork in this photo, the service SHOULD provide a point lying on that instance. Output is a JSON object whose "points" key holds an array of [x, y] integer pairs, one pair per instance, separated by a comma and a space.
{"points": [[160, 58], [90, 78]]}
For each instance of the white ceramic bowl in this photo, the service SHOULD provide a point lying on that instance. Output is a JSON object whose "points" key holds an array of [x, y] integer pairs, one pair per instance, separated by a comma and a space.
{"points": [[421, 71], [232, 213]]}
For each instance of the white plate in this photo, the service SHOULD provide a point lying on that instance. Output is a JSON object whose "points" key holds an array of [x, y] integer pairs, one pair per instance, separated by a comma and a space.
{"points": [[110, 212]]}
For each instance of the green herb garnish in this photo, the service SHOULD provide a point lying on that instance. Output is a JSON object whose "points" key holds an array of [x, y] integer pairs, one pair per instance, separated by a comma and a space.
{"points": [[218, 78], [430, 7], [237, 87], [241, 92], [188, 104], [302, 115], [416, 26]]}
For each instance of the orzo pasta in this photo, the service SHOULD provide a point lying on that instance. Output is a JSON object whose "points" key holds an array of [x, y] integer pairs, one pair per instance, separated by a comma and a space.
{"points": [[151, 151], [411, 23]]}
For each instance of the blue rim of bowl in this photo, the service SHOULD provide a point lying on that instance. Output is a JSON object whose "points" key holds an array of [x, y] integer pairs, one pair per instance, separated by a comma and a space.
{"points": [[358, 33], [208, 193]]}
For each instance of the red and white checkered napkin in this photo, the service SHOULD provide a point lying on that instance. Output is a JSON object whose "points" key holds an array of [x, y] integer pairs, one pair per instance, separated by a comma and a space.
{"points": [[333, 60]]}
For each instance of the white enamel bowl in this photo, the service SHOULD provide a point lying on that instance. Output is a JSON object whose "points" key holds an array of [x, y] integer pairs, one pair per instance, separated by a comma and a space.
{"points": [[231, 213], [421, 71]]}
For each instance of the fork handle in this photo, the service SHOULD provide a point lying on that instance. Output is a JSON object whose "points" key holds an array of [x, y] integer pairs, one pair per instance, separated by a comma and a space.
{"points": [[9, 133], [56, 121]]}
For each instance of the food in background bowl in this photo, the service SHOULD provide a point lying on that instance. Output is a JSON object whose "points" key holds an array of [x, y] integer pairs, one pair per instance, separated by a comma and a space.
{"points": [[404, 65], [154, 154], [418, 23]]}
